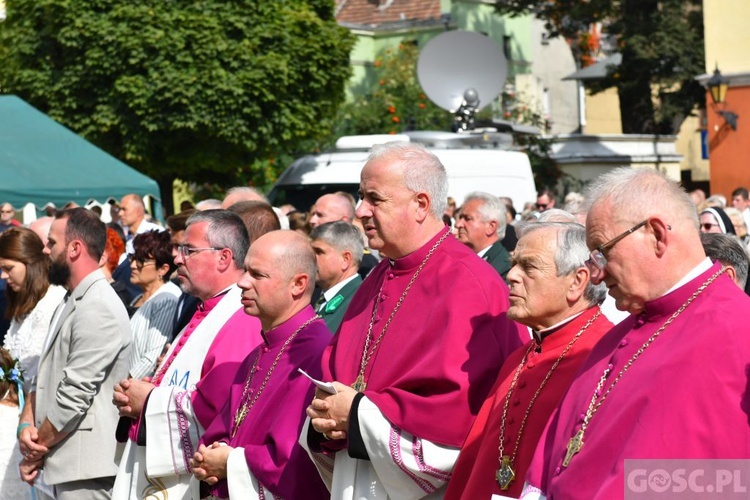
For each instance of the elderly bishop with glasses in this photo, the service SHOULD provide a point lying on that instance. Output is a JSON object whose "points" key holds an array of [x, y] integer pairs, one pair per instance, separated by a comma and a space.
{"points": [[164, 417], [671, 380]]}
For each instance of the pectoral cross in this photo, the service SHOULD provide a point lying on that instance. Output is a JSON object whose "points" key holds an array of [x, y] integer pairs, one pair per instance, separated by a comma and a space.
{"points": [[574, 446], [238, 418], [505, 474], [359, 385]]}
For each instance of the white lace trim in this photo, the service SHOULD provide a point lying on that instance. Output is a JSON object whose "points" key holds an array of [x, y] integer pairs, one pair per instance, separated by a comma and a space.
{"points": [[25, 338]]}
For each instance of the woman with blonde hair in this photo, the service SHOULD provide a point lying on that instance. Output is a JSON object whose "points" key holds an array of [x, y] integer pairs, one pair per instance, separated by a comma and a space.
{"points": [[31, 299]]}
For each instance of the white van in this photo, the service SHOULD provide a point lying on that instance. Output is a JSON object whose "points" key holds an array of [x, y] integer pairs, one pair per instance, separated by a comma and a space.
{"points": [[473, 161]]}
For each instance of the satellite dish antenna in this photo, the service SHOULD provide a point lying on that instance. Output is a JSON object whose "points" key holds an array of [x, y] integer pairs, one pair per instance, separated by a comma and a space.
{"points": [[462, 72]]}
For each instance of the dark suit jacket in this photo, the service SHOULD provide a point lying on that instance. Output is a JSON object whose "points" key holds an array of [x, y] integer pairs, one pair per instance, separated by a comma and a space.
{"points": [[510, 240], [368, 263], [186, 307], [499, 258], [333, 311]]}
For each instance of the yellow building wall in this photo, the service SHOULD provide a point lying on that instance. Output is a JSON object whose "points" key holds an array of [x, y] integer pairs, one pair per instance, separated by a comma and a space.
{"points": [[603, 113], [726, 35]]}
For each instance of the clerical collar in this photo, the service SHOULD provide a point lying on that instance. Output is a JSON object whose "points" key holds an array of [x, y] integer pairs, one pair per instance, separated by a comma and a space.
{"points": [[540, 335], [211, 303], [408, 263], [701, 268], [280, 332], [331, 292]]}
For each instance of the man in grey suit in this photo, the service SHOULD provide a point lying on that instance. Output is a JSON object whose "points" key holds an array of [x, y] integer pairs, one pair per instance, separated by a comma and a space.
{"points": [[68, 425], [338, 251]]}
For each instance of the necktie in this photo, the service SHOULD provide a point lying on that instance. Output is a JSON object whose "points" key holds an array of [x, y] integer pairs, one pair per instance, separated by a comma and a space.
{"points": [[320, 304]]}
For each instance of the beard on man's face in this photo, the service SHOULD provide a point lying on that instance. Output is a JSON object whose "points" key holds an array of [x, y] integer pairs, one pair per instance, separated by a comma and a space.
{"points": [[59, 273]]}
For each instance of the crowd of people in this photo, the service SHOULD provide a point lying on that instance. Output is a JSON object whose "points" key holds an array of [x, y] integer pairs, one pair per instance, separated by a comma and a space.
{"points": [[398, 346]]}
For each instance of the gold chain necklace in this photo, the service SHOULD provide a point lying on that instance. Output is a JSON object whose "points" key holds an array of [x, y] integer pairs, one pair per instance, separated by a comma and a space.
{"points": [[359, 384], [247, 405], [576, 442], [506, 474]]}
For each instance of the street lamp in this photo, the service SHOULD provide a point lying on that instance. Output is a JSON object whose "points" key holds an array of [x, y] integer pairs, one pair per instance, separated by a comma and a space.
{"points": [[717, 87]]}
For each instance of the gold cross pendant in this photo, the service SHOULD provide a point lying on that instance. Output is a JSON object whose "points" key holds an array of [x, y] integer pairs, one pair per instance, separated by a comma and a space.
{"points": [[359, 385], [574, 446], [238, 418], [505, 474]]}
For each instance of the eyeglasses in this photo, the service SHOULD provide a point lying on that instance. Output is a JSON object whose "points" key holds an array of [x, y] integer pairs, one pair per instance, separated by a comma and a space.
{"points": [[597, 261], [542, 206], [186, 251], [140, 264], [708, 225]]}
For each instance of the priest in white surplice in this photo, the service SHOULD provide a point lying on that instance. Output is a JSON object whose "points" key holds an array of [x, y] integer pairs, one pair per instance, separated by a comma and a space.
{"points": [[167, 415], [419, 346]]}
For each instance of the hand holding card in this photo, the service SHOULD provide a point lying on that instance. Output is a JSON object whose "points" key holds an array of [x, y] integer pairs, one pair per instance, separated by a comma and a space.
{"points": [[323, 386]]}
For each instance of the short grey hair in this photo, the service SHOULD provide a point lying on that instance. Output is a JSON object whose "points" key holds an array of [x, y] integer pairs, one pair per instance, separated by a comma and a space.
{"points": [[571, 253], [246, 192], [224, 230], [556, 215], [636, 194], [208, 204], [736, 217], [423, 171], [341, 235], [729, 250], [492, 208], [717, 200]]}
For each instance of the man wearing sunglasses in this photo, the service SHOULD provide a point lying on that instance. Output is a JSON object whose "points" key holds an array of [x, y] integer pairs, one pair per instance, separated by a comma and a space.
{"points": [[545, 200], [668, 382]]}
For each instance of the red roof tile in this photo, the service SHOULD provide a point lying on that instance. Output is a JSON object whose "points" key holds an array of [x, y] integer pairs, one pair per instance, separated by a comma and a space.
{"points": [[377, 12]]}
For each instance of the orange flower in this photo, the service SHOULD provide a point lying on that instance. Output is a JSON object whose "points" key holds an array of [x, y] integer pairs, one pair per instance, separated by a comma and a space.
{"points": [[395, 119], [377, 63], [382, 81], [422, 105], [391, 109]]}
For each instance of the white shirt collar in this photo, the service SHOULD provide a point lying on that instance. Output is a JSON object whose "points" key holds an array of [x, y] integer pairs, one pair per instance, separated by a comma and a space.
{"points": [[331, 292], [701, 268], [484, 251]]}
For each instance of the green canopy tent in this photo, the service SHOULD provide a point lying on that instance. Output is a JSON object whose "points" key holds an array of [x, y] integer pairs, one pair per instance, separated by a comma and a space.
{"points": [[43, 162]]}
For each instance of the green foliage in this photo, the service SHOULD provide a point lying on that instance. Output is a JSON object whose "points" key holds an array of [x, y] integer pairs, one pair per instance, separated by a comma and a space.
{"points": [[207, 91], [397, 104], [547, 173], [661, 42]]}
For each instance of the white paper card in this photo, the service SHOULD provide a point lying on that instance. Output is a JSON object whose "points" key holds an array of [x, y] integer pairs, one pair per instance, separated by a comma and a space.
{"points": [[323, 386]]}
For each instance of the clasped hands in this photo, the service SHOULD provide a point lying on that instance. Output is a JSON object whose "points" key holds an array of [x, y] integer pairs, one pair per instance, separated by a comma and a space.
{"points": [[33, 454], [329, 413], [130, 396], [210, 463]]}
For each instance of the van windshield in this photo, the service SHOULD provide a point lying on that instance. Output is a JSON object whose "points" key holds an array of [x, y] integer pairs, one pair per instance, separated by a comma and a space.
{"points": [[304, 196]]}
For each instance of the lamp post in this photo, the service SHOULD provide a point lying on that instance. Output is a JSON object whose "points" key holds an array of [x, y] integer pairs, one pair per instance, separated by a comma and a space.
{"points": [[717, 87]]}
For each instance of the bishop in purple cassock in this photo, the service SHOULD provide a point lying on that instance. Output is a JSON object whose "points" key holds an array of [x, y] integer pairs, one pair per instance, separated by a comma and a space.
{"points": [[251, 449], [670, 381]]}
